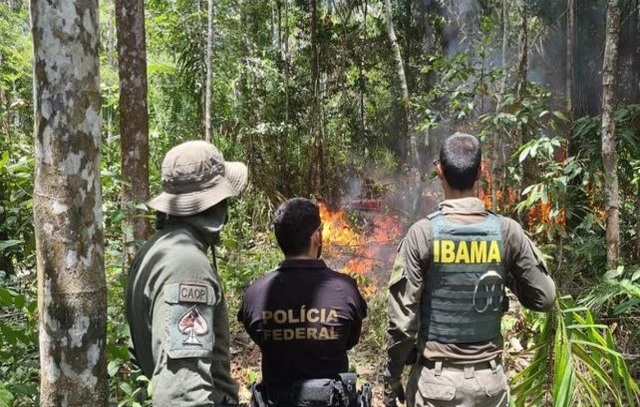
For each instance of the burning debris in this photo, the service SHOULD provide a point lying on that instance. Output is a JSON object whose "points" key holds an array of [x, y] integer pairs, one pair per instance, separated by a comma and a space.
{"points": [[361, 242]]}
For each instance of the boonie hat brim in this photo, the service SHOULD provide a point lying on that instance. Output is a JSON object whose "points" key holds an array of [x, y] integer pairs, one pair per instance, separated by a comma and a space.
{"points": [[231, 184]]}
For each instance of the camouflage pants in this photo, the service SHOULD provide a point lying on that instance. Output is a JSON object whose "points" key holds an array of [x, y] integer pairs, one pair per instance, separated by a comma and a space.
{"points": [[479, 385]]}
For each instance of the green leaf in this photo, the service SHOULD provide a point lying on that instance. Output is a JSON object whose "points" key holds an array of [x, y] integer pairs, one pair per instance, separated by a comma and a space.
{"points": [[19, 301], [560, 115], [113, 367], [6, 398], [117, 216], [6, 244], [126, 388], [613, 274]]}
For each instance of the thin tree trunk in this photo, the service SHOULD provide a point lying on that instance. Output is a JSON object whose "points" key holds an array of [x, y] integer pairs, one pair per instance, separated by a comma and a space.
{"points": [[134, 118], [6, 262], [208, 98], [505, 45], [571, 11], [363, 77], [72, 303], [285, 68], [411, 150], [636, 64], [521, 88], [523, 52], [315, 132], [609, 157], [637, 248]]}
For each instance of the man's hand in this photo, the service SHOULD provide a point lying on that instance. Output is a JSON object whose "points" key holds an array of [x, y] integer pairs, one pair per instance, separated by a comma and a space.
{"points": [[393, 390]]}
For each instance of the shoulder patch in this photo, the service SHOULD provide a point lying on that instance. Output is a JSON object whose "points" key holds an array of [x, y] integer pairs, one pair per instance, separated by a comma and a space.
{"points": [[196, 293], [190, 325]]}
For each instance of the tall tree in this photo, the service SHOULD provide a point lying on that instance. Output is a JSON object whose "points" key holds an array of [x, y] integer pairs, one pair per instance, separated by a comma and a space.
{"points": [[404, 87], [316, 152], [571, 12], [609, 157], [134, 116], [636, 66], [208, 93], [68, 204]]}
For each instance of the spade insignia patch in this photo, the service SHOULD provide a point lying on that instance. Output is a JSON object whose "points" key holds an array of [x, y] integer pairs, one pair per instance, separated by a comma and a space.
{"points": [[190, 328]]}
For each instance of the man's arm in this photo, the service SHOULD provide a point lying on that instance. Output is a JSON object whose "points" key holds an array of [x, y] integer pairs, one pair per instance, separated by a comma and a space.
{"points": [[531, 283], [183, 339], [405, 292], [358, 312]]}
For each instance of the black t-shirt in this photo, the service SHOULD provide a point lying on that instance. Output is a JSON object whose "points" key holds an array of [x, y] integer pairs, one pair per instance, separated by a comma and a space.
{"points": [[304, 317]]}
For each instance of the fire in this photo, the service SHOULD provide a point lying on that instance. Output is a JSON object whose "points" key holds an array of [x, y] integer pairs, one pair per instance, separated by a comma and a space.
{"points": [[541, 212], [367, 250]]}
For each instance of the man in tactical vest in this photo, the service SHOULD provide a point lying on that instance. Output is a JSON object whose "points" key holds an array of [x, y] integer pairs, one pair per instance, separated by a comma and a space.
{"points": [[175, 306], [304, 317], [446, 293]]}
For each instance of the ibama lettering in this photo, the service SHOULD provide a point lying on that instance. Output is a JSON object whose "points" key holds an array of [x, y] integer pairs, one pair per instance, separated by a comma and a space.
{"points": [[470, 252]]}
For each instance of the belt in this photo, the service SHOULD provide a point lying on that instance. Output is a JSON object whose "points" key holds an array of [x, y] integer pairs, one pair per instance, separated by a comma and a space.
{"points": [[447, 364], [312, 392]]}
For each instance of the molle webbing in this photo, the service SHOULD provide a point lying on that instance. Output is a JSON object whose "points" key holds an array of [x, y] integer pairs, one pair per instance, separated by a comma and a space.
{"points": [[465, 281]]}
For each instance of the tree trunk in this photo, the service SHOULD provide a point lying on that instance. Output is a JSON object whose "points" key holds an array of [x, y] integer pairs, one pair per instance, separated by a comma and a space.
{"points": [[571, 12], [315, 132], [637, 248], [134, 118], [609, 157], [67, 204], [636, 65], [526, 170], [208, 103], [411, 149], [505, 46], [523, 52], [362, 72]]}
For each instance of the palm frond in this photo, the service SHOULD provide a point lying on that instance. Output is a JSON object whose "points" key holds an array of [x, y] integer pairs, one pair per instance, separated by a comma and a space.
{"points": [[575, 363]]}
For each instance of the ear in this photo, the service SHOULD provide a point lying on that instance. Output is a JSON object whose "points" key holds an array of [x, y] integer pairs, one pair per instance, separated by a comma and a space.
{"points": [[316, 238], [480, 170], [440, 171]]}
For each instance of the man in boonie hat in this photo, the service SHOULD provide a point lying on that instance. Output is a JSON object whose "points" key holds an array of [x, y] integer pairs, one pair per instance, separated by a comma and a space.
{"points": [[174, 304]]}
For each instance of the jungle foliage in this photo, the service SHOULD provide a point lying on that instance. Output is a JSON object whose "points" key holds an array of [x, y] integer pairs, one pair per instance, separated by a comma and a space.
{"points": [[543, 161]]}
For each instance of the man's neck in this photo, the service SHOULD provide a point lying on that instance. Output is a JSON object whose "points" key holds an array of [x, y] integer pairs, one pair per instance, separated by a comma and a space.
{"points": [[450, 193], [304, 256]]}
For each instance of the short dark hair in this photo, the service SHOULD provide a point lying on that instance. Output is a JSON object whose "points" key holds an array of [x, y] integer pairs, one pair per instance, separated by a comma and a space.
{"points": [[460, 157], [294, 222]]}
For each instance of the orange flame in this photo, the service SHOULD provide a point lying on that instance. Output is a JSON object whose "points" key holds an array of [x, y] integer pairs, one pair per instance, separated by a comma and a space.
{"points": [[342, 240]]}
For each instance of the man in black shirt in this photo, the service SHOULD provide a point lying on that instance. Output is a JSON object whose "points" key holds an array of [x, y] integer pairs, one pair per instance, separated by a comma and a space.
{"points": [[303, 316]]}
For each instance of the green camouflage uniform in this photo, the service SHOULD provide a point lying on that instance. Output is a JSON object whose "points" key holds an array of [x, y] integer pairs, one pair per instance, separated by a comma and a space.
{"points": [[527, 277], [178, 317]]}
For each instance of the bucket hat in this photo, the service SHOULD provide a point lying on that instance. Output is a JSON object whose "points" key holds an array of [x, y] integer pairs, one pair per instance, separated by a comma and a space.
{"points": [[196, 177]]}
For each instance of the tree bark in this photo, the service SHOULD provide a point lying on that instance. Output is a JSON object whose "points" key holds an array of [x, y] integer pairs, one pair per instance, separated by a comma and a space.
{"points": [[636, 64], [505, 45], [609, 157], [315, 132], [411, 149], [208, 97], [571, 12], [67, 204], [523, 52], [134, 118], [362, 72]]}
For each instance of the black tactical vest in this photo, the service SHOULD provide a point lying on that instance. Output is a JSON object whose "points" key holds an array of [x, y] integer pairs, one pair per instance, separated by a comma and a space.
{"points": [[464, 286]]}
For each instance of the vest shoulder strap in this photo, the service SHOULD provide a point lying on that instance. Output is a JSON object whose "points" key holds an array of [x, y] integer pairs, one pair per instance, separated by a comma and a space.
{"points": [[434, 215]]}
